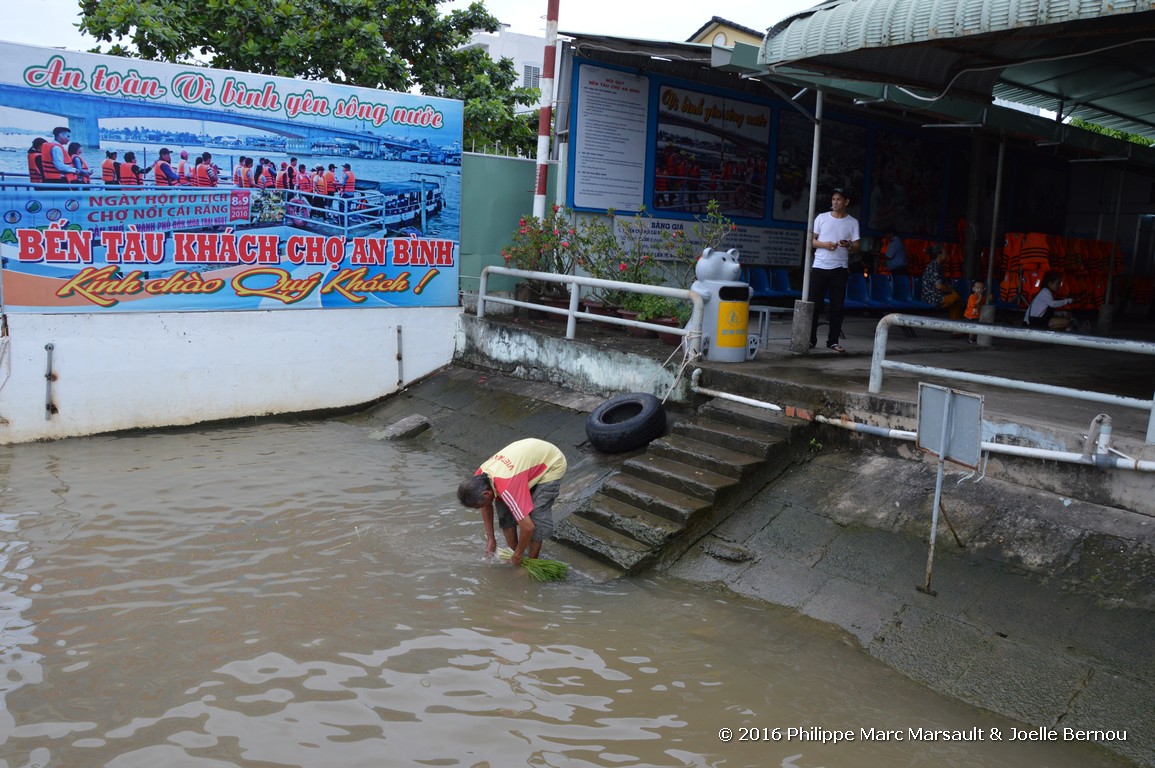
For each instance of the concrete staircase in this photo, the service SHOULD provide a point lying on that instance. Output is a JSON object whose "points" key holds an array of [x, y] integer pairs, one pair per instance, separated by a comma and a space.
{"points": [[682, 485]]}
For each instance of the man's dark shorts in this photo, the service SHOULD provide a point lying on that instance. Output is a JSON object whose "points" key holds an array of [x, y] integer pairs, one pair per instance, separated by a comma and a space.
{"points": [[543, 495]]}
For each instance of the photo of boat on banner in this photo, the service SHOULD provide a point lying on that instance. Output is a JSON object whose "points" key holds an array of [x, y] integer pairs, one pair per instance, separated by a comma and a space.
{"points": [[118, 162]]}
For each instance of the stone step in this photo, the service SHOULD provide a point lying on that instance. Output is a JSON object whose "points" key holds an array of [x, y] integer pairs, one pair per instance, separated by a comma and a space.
{"points": [[679, 477], [603, 544], [696, 453], [762, 419], [638, 524], [751, 441], [653, 498]]}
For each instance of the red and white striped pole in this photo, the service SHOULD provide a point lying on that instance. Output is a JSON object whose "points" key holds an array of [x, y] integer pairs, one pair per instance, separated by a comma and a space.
{"points": [[545, 112]]}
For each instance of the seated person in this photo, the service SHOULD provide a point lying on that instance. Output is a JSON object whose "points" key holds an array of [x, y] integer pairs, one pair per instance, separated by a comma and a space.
{"points": [[936, 291], [1041, 313], [895, 253]]}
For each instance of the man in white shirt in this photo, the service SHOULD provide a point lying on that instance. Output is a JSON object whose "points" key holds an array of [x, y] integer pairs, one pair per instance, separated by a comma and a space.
{"points": [[836, 236]]}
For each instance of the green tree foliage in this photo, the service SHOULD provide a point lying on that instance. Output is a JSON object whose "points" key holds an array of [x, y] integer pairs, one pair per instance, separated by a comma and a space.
{"points": [[1122, 135], [391, 44], [491, 101]]}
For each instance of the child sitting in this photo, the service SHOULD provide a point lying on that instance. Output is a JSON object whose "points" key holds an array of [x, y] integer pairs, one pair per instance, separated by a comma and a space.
{"points": [[1041, 313]]}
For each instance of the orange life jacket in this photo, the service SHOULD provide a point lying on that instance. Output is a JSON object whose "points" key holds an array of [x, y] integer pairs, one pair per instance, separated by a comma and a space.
{"points": [[202, 177], [48, 168], [184, 173], [108, 171], [350, 183], [82, 177], [304, 182], [330, 182], [160, 177], [35, 168], [129, 176], [1035, 246]]}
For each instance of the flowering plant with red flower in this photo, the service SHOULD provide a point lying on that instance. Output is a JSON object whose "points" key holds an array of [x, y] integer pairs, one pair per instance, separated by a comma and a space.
{"points": [[617, 248], [544, 245]]}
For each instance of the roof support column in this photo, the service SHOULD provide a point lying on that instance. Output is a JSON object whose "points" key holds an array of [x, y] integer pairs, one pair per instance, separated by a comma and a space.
{"points": [[995, 223], [976, 200], [1107, 310], [804, 308], [987, 313]]}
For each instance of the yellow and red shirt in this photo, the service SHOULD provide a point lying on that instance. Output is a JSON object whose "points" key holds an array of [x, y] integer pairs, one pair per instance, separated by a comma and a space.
{"points": [[520, 466]]}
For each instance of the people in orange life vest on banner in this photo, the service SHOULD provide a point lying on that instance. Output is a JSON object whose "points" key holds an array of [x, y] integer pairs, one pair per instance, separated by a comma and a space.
{"points": [[331, 184], [110, 168], [836, 236], [1041, 313], [35, 162], [184, 169], [131, 174], [320, 189], [205, 174], [975, 304], [211, 170], [83, 174], [521, 481], [162, 171], [936, 291], [56, 163], [346, 185], [303, 181]]}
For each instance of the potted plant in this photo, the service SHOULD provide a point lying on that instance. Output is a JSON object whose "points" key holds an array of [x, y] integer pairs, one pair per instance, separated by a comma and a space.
{"points": [[543, 245], [664, 310]]}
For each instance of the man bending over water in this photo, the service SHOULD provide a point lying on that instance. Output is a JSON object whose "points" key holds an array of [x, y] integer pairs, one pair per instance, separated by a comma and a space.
{"points": [[522, 481]]}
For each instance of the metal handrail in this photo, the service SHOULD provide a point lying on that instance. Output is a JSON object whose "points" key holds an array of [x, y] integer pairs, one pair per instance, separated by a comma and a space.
{"points": [[692, 332], [879, 361]]}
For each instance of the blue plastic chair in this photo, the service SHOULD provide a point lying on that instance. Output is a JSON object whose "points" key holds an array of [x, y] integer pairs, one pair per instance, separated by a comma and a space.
{"points": [[858, 295], [855, 299], [902, 293], [881, 290], [760, 283], [780, 284]]}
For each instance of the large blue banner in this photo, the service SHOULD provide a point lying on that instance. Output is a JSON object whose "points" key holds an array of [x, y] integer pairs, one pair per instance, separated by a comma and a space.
{"points": [[128, 185]]}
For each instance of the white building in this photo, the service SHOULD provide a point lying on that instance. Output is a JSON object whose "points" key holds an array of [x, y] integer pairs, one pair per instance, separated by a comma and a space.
{"points": [[526, 51]]}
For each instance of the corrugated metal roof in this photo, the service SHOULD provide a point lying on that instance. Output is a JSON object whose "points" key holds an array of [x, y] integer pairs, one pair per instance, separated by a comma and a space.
{"points": [[1093, 59]]}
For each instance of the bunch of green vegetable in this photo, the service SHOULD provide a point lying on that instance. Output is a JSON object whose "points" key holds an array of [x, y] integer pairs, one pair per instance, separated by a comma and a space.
{"points": [[539, 568]]}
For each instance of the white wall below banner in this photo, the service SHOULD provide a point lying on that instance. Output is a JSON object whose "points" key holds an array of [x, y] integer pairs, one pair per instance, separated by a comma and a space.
{"points": [[142, 370]]}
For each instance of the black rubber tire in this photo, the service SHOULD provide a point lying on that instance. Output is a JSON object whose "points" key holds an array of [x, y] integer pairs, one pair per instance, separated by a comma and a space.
{"points": [[626, 422]]}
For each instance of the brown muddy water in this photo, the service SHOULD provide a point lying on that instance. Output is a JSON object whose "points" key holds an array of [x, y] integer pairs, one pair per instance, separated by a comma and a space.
{"points": [[299, 594]]}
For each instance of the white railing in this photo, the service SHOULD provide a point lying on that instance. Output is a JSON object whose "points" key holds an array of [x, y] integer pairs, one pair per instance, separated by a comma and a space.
{"points": [[573, 313], [879, 362]]}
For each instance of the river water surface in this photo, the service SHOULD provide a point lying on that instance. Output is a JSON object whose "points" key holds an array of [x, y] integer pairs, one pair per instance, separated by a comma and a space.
{"points": [[300, 594]]}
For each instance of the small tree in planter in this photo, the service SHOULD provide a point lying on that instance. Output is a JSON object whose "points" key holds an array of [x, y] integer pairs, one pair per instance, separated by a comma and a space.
{"points": [[544, 245], [684, 250]]}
